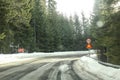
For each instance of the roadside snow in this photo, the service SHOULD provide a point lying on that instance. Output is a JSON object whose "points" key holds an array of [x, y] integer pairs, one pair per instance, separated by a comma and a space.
{"points": [[6, 58], [93, 67]]}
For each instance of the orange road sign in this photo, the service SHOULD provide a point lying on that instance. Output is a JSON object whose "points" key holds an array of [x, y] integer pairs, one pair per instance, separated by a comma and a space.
{"points": [[89, 46]]}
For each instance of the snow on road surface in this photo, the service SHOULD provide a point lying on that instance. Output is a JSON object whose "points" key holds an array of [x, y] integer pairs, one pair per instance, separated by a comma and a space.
{"points": [[85, 64]]}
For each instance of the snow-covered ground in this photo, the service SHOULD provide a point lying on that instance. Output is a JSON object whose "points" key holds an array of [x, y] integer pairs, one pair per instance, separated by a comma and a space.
{"points": [[6, 58], [86, 63], [92, 66]]}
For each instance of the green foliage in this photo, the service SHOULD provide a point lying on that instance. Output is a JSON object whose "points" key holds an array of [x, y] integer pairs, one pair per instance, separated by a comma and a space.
{"points": [[15, 17], [38, 22], [107, 36], [19, 19], [3, 13], [35, 26], [2, 36], [3, 23]]}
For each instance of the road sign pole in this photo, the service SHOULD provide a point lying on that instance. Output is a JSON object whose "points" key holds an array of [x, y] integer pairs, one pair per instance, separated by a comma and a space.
{"points": [[89, 46], [89, 52]]}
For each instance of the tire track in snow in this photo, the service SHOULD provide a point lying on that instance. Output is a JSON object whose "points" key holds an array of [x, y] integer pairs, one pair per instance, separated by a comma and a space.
{"points": [[60, 70], [67, 72], [36, 75], [85, 75], [19, 70], [4, 67]]}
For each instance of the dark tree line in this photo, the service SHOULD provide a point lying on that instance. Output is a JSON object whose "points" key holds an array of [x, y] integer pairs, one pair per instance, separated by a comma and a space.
{"points": [[105, 29], [35, 25]]}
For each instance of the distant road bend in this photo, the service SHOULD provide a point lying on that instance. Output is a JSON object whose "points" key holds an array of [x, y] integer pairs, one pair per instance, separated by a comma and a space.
{"points": [[51, 68]]}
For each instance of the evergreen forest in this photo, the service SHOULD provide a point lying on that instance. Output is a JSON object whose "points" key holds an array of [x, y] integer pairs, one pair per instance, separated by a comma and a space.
{"points": [[37, 26]]}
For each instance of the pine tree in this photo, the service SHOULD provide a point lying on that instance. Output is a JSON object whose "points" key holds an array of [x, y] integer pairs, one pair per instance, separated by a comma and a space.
{"points": [[19, 19], [107, 35], [77, 33], [38, 22], [52, 34], [3, 25], [16, 16]]}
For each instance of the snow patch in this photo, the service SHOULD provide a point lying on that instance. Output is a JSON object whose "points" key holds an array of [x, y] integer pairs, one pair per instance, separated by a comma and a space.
{"points": [[92, 66], [64, 68]]}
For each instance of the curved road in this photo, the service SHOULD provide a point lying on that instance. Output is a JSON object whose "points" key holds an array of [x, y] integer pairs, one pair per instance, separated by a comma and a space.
{"points": [[43, 69]]}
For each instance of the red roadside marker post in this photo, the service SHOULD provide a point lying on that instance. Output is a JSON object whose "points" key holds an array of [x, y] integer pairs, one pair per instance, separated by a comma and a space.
{"points": [[89, 46], [21, 50]]}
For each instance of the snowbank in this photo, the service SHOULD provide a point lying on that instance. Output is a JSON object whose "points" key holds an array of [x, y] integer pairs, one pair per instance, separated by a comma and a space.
{"points": [[92, 66], [6, 58]]}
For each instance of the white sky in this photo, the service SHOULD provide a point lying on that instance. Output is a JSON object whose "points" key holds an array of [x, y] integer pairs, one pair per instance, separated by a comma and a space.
{"points": [[69, 7]]}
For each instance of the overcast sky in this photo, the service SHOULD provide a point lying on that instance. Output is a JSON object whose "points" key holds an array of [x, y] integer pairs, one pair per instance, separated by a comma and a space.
{"points": [[70, 7]]}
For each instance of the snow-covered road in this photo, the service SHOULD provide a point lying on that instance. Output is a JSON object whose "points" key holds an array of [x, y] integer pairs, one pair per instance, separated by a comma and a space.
{"points": [[45, 69], [54, 66]]}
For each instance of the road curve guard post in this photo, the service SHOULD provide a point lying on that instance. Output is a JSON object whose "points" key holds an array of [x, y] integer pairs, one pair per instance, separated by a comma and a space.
{"points": [[89, 46], [21, 50]]}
